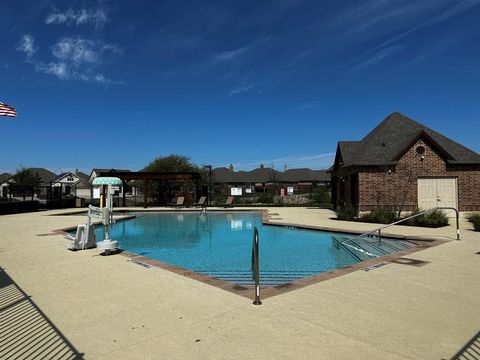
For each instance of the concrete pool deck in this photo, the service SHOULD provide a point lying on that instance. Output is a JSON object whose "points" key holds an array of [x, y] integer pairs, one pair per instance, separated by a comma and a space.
{"points": [[111, 308]]}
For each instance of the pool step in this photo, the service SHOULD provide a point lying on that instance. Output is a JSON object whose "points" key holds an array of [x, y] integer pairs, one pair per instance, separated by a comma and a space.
{"points": [[367, 247], [267, 278]]}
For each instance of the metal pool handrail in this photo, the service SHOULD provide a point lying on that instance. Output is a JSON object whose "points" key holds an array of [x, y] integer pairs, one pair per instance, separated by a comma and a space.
{"points": [[256, 266], [379, 230]]}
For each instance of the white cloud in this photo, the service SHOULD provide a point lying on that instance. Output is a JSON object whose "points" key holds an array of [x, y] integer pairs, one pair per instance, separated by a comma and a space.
{"points": [[101, 79], [27, 45], [78, 59], [83, 52], [65, 72], [388, 46], [60, 70], [241, 89], [229, 55], [96, 18], [76, 50], [308, 105], [380, 55]]}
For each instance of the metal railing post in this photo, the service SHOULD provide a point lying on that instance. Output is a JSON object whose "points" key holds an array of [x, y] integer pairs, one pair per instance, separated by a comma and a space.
{"points": [[379, 237], [256, 266], [370, 233], [457, 215]]}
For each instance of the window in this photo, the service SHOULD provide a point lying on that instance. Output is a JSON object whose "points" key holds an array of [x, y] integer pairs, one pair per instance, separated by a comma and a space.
{"points": [[420, 150]]}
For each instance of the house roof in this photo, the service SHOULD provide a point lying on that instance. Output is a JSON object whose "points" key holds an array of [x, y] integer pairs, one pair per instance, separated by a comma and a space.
{"points": [[266, 175], [304, 174], [97, 170], [61, 175], [4, 177], [392, 137], [81, 175], [78, 174], [45, 175], [104, 171]]}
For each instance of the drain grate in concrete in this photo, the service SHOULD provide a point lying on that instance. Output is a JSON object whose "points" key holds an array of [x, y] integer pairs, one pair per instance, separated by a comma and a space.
{"points": [[139, 262], [374, 267]]}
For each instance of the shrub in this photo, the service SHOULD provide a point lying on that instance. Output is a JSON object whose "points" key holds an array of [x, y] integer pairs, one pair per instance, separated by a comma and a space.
{"points": [[475, 220], [347, 213], [265, 198], [321, 197], [381, 216], [435, 218], [18, 207]]}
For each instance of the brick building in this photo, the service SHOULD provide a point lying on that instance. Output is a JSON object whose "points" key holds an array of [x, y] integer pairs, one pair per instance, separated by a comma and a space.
{"points": [[403, 165]]}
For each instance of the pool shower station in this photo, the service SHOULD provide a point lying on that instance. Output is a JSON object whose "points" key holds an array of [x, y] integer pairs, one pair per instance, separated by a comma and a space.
{"points": [[85, 236]]}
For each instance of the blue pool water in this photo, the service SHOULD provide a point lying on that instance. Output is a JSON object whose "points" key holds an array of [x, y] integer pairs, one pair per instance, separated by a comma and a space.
{"points": [[220, 245]]}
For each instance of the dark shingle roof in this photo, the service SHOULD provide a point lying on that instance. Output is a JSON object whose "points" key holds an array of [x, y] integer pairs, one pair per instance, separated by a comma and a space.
{"points": [[262, 175], [304, 174], [108, 170], [384, 144], [61, 175], [4, 177], [45, 175], [266, 175], [224, 175], [81, 175]]}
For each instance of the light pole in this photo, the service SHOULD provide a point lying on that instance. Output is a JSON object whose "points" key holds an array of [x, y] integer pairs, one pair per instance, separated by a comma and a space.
{"points": [[209, 167]]}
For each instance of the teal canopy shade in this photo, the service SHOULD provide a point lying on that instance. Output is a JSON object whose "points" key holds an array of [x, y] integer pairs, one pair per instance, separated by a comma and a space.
{"points": [[107, 181]]}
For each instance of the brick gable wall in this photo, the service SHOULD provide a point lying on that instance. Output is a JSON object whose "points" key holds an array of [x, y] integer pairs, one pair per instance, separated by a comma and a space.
{"points": [[396, 186]]}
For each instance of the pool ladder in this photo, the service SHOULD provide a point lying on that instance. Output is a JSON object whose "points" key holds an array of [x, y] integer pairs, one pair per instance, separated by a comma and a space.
{"points": [[256, 266]]}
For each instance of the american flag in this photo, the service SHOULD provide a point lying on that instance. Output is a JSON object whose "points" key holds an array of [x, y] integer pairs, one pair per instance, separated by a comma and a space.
{"points": [[7, 110]]}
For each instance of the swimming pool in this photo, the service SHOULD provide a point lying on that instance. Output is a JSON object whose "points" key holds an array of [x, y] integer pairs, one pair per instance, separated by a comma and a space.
{"points": [[219, 245]]}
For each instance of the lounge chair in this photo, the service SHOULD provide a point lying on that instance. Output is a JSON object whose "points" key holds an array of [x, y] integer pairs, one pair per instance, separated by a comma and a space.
{"points": [[201, 201], [180, 202], [229, 202]]}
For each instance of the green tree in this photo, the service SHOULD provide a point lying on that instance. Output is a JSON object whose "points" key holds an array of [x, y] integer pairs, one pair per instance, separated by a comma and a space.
{"points": [[172, 163], [24, 181], [164, 191]]}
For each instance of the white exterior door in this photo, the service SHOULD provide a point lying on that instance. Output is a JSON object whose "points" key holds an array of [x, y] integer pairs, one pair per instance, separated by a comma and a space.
{"points": [[433, 192]]}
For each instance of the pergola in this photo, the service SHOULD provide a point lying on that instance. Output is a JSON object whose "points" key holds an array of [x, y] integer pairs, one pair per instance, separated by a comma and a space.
{"points": [[146, 176]]}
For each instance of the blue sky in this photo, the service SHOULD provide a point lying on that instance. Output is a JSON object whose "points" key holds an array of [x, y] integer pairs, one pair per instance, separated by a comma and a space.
{"points": [[115, 84]]}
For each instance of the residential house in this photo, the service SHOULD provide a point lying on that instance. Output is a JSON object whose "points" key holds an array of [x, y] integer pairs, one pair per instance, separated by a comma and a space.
{"points": [[404, 165], [4, 184], [72, 184], [106, 172], [264, 179]]}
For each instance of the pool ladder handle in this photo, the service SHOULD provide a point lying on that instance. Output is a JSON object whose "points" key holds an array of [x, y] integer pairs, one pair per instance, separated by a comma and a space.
{"points": [[256, 266], [379, 230]]}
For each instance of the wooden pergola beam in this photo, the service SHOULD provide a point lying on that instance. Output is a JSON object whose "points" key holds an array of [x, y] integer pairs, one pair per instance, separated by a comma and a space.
{"points": [[146, 176]]}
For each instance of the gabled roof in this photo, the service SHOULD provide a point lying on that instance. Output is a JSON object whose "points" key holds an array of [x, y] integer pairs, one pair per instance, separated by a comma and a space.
{"points": [[304, 175], [45, 175], [225, 175], [4, 177], [262, 175], [62, 175], [81, 175], [393, 137], [99, 171]]}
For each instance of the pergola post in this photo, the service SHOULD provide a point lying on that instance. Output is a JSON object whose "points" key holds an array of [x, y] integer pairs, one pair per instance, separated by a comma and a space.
{"points": [[185, 189], [145, 193], [124, 185]]}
